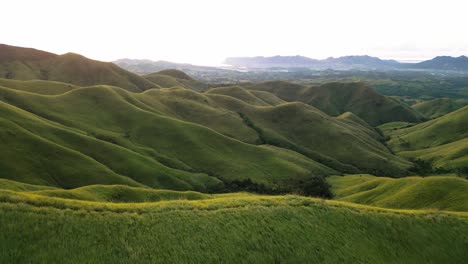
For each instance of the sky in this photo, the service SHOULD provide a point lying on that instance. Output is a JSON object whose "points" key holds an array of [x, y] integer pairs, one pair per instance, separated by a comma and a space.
{"points": [[205, 32]]}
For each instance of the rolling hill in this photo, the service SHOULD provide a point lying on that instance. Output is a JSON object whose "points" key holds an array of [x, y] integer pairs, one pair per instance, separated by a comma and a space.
{"points": [[437, 192], [178, 139], [340, 144], [441, 141], [175, 78], [219, 228], [119, 137], [124, 173], [338, 98], [439, 107], [30, 64]]}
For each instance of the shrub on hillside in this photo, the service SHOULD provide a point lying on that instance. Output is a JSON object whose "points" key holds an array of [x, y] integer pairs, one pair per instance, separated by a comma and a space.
{"points": [[315, 186]]}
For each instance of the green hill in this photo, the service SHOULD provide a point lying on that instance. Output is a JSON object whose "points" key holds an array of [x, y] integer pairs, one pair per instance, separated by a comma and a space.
{"points": [[175, 78], [341, 145], [439, 107], [338, 98], [30, 64], [436, 132], [164, 81], [176, 74], [450, 156], [252, 124], [437, 192], [389, 128], [120, 194], [38, 86], [221, 228], [239, 93], [122, 140]]}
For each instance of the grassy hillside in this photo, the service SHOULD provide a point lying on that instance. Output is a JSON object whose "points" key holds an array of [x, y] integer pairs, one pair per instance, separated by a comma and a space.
{"points": [[252, 124], [120, 194], [438, 192], [256, 229], [163, 81], [38, 86], [175, 78], [439, 107], [176, 74], [389, 128], [29, 64], [338, 98], [239, 93], [450, 156], [342, 145], [117, 136], [446, 129]]}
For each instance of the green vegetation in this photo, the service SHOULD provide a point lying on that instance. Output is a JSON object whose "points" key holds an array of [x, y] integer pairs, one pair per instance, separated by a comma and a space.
{"points": [[38, 86], [388, 128], [163, 81], [175, 78], [338, 98], [307, 130], [29, 64], [223, 228], [441, 141], [94, 173], [447, 193], [80, 142], [439, 107]]}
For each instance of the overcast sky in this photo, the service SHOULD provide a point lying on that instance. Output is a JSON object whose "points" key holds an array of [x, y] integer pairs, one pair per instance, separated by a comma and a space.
{"points": [[205, 32]]}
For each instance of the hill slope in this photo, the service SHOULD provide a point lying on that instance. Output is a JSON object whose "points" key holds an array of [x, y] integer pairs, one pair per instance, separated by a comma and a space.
{"points": [[342, 145], [444, 63], [436, 132], [338, 98], [123, 134], [175, 78], [440, 141], [271, 229], [439, 107], [29, 64], [437, 192], [38, 86]]}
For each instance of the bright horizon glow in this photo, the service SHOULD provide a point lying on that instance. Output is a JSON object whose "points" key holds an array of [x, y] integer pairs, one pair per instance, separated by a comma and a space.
{"points": [[205, 32]]}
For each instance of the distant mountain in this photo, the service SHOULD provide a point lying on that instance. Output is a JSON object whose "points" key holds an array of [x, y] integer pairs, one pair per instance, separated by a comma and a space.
{"points": [[445, 63], [149, 66], [272, 62], [342, 63], [31, 64], [360, 62]]}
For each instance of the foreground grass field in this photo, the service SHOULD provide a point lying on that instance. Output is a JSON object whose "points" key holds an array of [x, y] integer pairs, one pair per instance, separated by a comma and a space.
{"points": [[229, 228], [436, 192]]}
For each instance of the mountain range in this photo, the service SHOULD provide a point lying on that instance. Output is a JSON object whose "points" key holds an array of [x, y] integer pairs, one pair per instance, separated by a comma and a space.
{"points": [[348, 63], [441, 63]]}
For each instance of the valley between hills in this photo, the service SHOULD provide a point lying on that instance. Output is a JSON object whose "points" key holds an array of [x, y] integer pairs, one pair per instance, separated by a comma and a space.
{"points": [[102, 165]]}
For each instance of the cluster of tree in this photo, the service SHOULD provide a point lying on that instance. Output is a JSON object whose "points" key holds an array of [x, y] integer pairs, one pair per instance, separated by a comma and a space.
{"points": [[315, 186], [423, 168]]}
